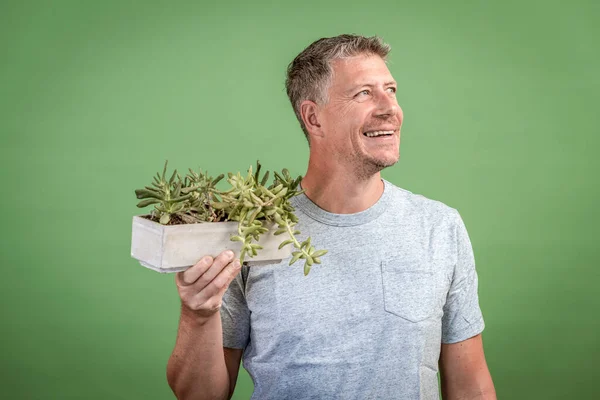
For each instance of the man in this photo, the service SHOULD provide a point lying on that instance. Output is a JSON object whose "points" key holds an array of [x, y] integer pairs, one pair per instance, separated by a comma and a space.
{"points": [[394, 299]]}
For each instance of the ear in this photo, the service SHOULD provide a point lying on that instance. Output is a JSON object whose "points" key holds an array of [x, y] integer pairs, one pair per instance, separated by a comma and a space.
{"points": [[309, 110]]}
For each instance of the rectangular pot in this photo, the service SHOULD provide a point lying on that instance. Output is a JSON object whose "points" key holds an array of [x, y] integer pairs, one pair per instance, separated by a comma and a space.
{"points": [[174, 248]]}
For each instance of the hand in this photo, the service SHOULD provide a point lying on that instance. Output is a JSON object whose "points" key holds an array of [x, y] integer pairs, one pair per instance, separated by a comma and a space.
{"points": [[202, 286]]}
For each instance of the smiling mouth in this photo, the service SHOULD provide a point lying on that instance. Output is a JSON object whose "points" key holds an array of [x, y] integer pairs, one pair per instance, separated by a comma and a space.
{"points": [[378, 133]]}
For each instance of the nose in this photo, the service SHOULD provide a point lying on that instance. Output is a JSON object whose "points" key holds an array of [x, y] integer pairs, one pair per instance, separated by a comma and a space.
{"points": [[387, 105]]}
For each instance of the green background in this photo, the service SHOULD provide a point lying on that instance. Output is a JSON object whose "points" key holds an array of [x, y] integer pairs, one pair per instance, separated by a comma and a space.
{"points": [[501, 122]]}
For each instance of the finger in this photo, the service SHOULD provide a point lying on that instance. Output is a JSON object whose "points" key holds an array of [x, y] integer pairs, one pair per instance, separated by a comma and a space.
{"points": [[218, 286], [220, 262], [190, 275]]}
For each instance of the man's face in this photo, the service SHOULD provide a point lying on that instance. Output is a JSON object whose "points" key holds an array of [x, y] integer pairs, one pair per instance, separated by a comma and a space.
{"points": [[361, 121]]}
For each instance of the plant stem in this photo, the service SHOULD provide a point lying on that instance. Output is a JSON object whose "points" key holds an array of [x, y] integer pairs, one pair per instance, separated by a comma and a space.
{"points": [[296, 243]]}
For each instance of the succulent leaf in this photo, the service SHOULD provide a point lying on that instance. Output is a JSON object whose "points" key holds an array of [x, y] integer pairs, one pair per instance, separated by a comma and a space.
{"points": [[285, 243], [306, 269], [295, 256], [165, 218], [319, 253], [147, 202]]}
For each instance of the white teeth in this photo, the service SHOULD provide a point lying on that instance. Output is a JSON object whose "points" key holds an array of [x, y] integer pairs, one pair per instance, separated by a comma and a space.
{"points": [[378, 133]]}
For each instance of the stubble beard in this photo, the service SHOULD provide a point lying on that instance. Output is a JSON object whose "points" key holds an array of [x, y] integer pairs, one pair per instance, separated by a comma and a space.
{"points": [[367, 166]]}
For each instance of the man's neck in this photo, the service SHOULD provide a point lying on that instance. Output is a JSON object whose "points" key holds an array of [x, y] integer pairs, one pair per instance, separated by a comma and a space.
{"points": [[340, 192]]}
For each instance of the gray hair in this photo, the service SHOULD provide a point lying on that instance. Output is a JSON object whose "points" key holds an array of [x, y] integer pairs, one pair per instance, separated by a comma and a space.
{"points": [[309, 75]]}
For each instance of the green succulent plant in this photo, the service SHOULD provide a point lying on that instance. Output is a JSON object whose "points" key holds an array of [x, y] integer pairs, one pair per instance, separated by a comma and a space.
{"points": [[195, 199]]}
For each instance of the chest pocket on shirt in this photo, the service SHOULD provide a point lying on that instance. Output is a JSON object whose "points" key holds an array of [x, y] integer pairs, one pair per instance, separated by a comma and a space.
{"points": [[408, 289]]}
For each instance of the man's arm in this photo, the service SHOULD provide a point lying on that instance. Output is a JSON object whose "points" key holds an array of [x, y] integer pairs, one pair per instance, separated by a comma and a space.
{"points": [[200, 367], [464, 371]]}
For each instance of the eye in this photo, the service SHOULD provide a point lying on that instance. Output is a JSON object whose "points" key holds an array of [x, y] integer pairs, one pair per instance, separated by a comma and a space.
{"points": [[365, 92], [391, 89]]}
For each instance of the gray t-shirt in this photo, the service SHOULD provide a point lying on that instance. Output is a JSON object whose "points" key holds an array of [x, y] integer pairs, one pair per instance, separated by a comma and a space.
{"points": [[399, 279]]}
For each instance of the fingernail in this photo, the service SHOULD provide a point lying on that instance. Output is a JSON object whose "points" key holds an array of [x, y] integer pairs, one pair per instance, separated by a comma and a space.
{"points": [[229, 254], [236, 264]]}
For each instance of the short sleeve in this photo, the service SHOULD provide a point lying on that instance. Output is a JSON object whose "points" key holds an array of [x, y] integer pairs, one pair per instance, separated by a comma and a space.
{"points": [[462, 316], [235, 315]]}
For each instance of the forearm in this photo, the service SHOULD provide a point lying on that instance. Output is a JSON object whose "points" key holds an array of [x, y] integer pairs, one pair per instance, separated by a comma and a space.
{"points": [[464, 372], [196, 368], [479, 389], [480, 395]]}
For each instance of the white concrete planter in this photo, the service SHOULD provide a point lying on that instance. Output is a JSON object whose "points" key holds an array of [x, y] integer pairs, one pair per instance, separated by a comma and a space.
{"points": [[174, 248]]}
